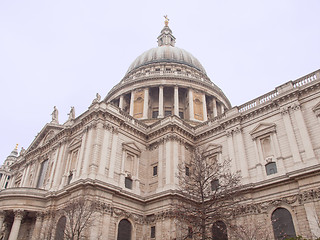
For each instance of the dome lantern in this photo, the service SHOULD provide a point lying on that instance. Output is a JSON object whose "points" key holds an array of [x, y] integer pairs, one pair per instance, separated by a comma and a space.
{"points": [[166, 38]]}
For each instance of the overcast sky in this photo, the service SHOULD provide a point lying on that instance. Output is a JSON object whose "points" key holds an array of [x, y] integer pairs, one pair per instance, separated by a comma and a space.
{"points": [[61, 53]]}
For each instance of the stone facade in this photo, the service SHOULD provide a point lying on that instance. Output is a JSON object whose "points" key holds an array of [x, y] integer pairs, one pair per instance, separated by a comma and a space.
{"points": [[125, 150]]}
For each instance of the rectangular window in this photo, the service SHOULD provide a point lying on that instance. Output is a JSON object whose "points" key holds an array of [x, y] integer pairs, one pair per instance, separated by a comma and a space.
{"points": [[181, 115], [128, 182], [214, 184], [155, 170], [155, 114], [187, 171], [167, 113], [153, 231], [42, 174]]}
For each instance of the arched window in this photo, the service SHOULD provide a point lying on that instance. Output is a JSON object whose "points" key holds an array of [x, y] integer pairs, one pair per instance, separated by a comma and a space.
{"points": [[124, 230], [282, 224], [219, 231], [60, 228]]}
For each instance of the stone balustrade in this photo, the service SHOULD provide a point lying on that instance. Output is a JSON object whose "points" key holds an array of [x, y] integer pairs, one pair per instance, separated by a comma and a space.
{"points": [[315, 76]]}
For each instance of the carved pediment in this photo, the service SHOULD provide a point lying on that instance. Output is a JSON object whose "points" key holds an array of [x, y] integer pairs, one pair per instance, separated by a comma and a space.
{"points": [[46, 134], [76, 142], [212, 149], [263, 129], [316, 109], [131, 147]]}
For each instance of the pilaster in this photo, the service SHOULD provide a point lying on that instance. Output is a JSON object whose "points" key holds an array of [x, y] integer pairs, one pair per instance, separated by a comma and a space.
{"points": [[113, 154], [95, 159], [37, 226], [105, 153], [291, 137], [306, 141]]}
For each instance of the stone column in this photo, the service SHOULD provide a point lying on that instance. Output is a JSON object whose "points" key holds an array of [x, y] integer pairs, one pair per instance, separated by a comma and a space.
{"points": [[214, 107], [131, 103], [291, 137], [191, 110], [145, 103], [2, 216], [222, 108], [18, 215], [176, 101], [205, 114], [160, 113], [37, 226], [121, 102]]}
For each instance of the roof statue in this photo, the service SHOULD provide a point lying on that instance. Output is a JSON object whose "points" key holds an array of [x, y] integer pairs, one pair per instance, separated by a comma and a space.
{"points": [[71, 114], [97, 99], [55, 115]]}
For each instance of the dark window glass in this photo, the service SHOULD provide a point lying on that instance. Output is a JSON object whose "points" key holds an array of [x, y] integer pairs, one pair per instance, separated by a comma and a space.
{"points": [[271, 168], [61, 225], [128, 182], [153, 232], [187, 171], [43, 170], [219, 231], [167, 113], [214, 184], [155, 170], [155, 114], [181, 115], [124, 230], [282, 224]]}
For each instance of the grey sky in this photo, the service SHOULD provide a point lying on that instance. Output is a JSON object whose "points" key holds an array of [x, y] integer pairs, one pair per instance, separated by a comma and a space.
{"points": [[61, 53]]}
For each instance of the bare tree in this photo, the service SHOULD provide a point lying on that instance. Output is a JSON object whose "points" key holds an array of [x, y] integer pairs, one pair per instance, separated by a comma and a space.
{"points": [[209, 193], [254, 231], [76, 218]]}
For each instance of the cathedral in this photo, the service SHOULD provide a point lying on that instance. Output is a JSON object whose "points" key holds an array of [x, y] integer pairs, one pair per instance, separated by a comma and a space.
{"points": [[124, 152]]}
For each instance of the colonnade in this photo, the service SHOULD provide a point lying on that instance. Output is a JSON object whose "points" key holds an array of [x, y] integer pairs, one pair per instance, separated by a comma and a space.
{"points": [[187, 103], [18, 216]]}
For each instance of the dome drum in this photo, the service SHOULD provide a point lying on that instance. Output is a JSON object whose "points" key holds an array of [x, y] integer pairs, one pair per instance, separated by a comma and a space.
{"points": [[167, 80]]}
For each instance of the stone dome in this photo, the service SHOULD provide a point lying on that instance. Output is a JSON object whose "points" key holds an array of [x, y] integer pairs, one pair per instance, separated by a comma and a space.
{"points": [[166, 53]]}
